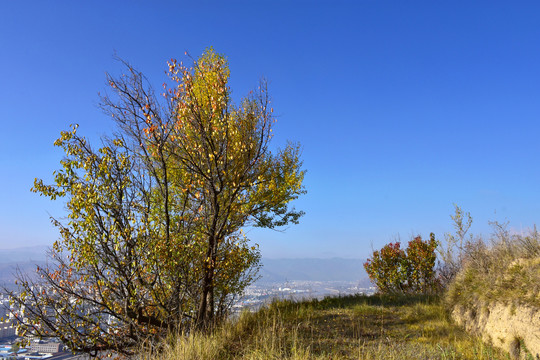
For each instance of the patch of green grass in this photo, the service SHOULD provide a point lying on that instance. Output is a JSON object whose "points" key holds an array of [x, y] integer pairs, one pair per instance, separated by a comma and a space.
{"points": [[351, 327]]}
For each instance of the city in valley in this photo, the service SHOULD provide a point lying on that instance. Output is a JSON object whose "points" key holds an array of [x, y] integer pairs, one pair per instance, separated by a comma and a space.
{"points": [[262, 293]]}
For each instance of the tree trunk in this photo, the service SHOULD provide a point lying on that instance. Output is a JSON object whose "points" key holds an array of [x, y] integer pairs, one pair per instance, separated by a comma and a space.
{"points": [[206, 306]]}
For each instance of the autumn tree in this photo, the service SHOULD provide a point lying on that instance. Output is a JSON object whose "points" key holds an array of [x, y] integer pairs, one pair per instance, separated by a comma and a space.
{"points": [[406, 271], [154, 240], [421, 257], [387, 268]]}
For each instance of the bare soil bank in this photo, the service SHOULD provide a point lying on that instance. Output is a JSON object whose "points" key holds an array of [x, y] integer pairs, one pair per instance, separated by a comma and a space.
{"points": [[513, 328]]}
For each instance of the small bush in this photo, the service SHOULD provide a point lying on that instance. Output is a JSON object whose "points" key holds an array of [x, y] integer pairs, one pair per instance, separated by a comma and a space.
{"points": [[410, 271], [456, 247], [421, 265], [387, 268]]}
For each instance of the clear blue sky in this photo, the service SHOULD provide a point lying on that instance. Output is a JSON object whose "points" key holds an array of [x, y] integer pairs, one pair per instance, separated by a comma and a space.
{"points": [[403, 108]]}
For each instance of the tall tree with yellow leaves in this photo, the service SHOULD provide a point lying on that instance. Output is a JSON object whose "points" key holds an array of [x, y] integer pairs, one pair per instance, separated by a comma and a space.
{"points": [[154, 238]]}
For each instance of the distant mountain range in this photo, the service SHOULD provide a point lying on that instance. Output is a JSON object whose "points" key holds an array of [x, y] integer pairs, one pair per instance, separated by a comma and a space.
{"points": [[334, 269], [272, 270], [23, 254], [22, 259]]}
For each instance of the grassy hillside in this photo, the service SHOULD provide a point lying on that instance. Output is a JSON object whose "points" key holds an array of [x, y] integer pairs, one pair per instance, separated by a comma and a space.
{"points": [[497, 292], [352, 327], [507, 270]]}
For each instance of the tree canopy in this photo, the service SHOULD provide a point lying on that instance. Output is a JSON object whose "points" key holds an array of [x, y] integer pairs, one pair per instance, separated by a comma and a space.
{"points": [[154, 239]]}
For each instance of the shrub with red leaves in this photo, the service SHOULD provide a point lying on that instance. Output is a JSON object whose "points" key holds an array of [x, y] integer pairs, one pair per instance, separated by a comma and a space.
{"points": [[410, 271]]}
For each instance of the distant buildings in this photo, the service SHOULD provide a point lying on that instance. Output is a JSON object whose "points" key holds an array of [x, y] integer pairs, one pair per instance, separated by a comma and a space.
{"points": [[49, 347], [8, 329]]}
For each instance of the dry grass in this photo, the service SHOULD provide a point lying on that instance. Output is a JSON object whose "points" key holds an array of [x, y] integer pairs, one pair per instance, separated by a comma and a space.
{"points": [[352, 327], [506, 270]]}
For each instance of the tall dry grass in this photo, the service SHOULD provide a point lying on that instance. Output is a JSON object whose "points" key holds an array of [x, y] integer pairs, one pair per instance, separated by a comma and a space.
{"points": [[504, 269], [352, 327]]}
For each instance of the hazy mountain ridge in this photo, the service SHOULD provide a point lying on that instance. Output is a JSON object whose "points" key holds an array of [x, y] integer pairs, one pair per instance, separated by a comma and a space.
{"points": [[23, 260], [24, 254], [272, 270], [312, 269]]}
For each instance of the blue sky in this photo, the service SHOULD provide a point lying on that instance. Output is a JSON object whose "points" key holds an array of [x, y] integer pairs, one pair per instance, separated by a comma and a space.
{"points": [[402, 108]]}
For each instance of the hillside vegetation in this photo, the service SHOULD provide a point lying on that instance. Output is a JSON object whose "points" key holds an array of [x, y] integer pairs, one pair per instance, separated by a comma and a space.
{"points": [[351, 327], [497, 293], [489, 310], [505, 270]]}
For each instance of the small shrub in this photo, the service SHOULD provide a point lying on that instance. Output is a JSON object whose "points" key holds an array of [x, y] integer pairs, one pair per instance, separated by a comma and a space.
{"points": [[394, 270], [387, 268], [453, 250], [421, 265]]}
